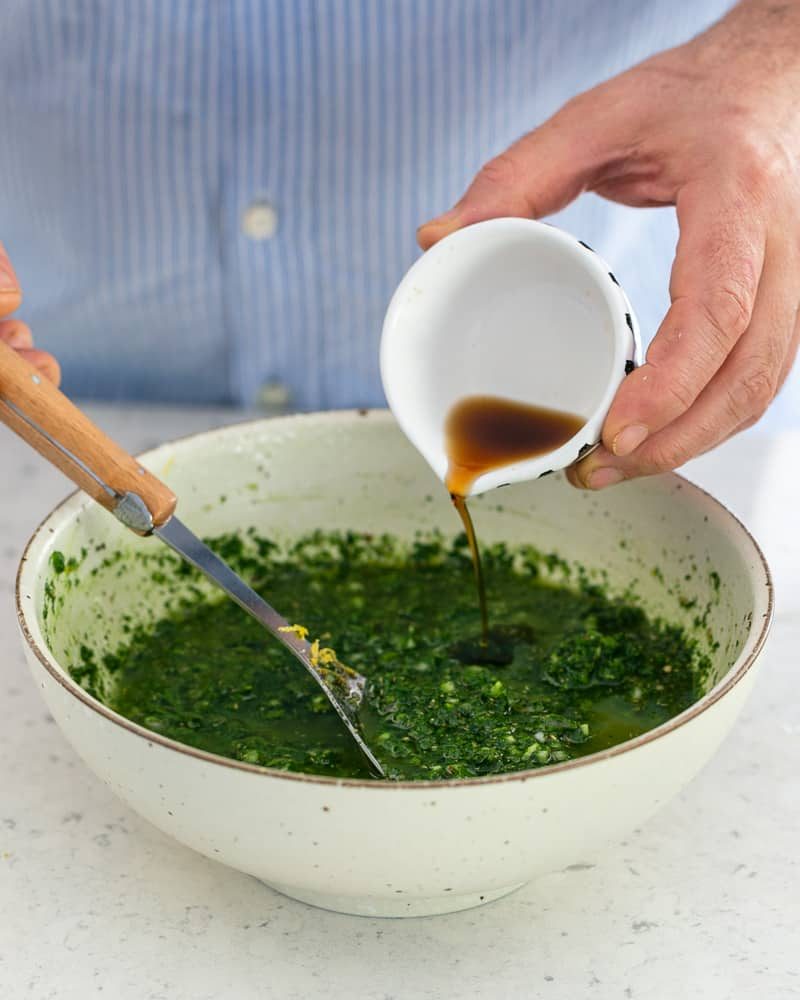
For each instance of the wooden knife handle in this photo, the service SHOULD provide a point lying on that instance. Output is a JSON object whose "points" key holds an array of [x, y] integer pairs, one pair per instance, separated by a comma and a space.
{"points": [[60, 423]]}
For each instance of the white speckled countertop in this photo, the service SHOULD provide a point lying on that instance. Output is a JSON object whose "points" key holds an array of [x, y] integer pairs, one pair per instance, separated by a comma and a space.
{"points": [[703, 902]]}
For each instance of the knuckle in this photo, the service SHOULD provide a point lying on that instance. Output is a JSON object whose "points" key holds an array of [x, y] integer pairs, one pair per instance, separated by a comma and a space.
{"points": [[770, 161], [663, 456], [680, 392], [727, 309], [501, 171], [505, 175], [752, 392], [762, 161], [672, 383]]}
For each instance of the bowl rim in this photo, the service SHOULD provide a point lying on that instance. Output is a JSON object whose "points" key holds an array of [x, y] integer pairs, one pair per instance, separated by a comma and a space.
{"points": [[753, 645]]}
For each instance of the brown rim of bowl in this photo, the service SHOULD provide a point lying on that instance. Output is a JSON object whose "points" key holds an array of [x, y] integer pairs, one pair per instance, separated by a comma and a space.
{"points": [[697, 708]]}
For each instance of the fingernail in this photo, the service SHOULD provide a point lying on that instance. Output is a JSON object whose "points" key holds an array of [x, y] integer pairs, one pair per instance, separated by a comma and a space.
{"points": [[441, 220], [606, 476], [629, 439]]}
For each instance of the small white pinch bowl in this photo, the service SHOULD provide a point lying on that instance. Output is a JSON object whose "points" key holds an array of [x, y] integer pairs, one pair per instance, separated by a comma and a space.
{"points": [[510, 308], [371, 847]]}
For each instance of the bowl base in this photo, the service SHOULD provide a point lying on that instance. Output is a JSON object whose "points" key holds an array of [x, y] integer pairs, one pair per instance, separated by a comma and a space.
{"points": [[411, 906]]}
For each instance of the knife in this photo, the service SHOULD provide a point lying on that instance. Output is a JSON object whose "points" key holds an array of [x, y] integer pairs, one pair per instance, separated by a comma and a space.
{"points": [[48, 421]]}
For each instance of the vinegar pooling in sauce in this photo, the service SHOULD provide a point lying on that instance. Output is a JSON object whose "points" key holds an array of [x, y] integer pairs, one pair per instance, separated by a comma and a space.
{"points": [[483, 433]]}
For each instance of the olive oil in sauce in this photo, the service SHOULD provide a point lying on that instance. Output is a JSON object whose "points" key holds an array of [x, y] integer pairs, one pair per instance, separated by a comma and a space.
{"points": [[483, 433]]}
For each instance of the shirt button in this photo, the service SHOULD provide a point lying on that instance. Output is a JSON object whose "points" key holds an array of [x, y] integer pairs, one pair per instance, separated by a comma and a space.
{"points": [[274, 397], [259, 221]]}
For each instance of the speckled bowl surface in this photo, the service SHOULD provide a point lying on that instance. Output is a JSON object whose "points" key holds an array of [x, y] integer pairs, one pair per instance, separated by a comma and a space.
{"points": [[401, 849]]}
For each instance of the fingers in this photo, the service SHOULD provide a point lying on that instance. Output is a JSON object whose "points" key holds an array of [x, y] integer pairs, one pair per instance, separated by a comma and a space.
{"points": [[715, 277], [785, 370], [540, 173], [735, 398], [43, 362], [17, 334], [10, 294], [14, 332]]}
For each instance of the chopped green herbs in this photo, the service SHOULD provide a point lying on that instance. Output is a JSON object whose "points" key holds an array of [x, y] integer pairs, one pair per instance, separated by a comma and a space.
{"points": [[569, 671]]}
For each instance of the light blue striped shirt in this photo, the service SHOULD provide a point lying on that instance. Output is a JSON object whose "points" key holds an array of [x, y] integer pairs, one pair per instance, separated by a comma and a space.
{"points": [[204, 197]]}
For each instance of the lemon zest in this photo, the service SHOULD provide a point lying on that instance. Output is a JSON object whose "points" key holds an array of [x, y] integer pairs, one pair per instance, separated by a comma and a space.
{"points": [[299, 630], [318, 655]]}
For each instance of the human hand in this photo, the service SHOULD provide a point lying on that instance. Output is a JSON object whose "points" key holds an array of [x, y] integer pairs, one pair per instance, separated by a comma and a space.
{"points": [[14, 332], [712, 127]]}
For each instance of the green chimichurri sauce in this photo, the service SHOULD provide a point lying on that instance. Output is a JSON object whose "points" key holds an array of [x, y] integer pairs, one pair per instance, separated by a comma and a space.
{"points": [[573, 670]]}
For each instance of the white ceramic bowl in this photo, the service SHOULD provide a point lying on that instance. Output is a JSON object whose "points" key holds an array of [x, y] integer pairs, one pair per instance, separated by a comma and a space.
{"points": [[510, 308], [381, 848]]}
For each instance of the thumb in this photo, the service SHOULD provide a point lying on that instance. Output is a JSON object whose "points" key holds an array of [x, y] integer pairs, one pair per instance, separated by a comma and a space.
{"points": [[536, 176]]}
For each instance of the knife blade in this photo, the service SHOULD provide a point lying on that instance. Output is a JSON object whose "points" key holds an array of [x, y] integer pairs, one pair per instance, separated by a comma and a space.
{"points": [[351, 685]]}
